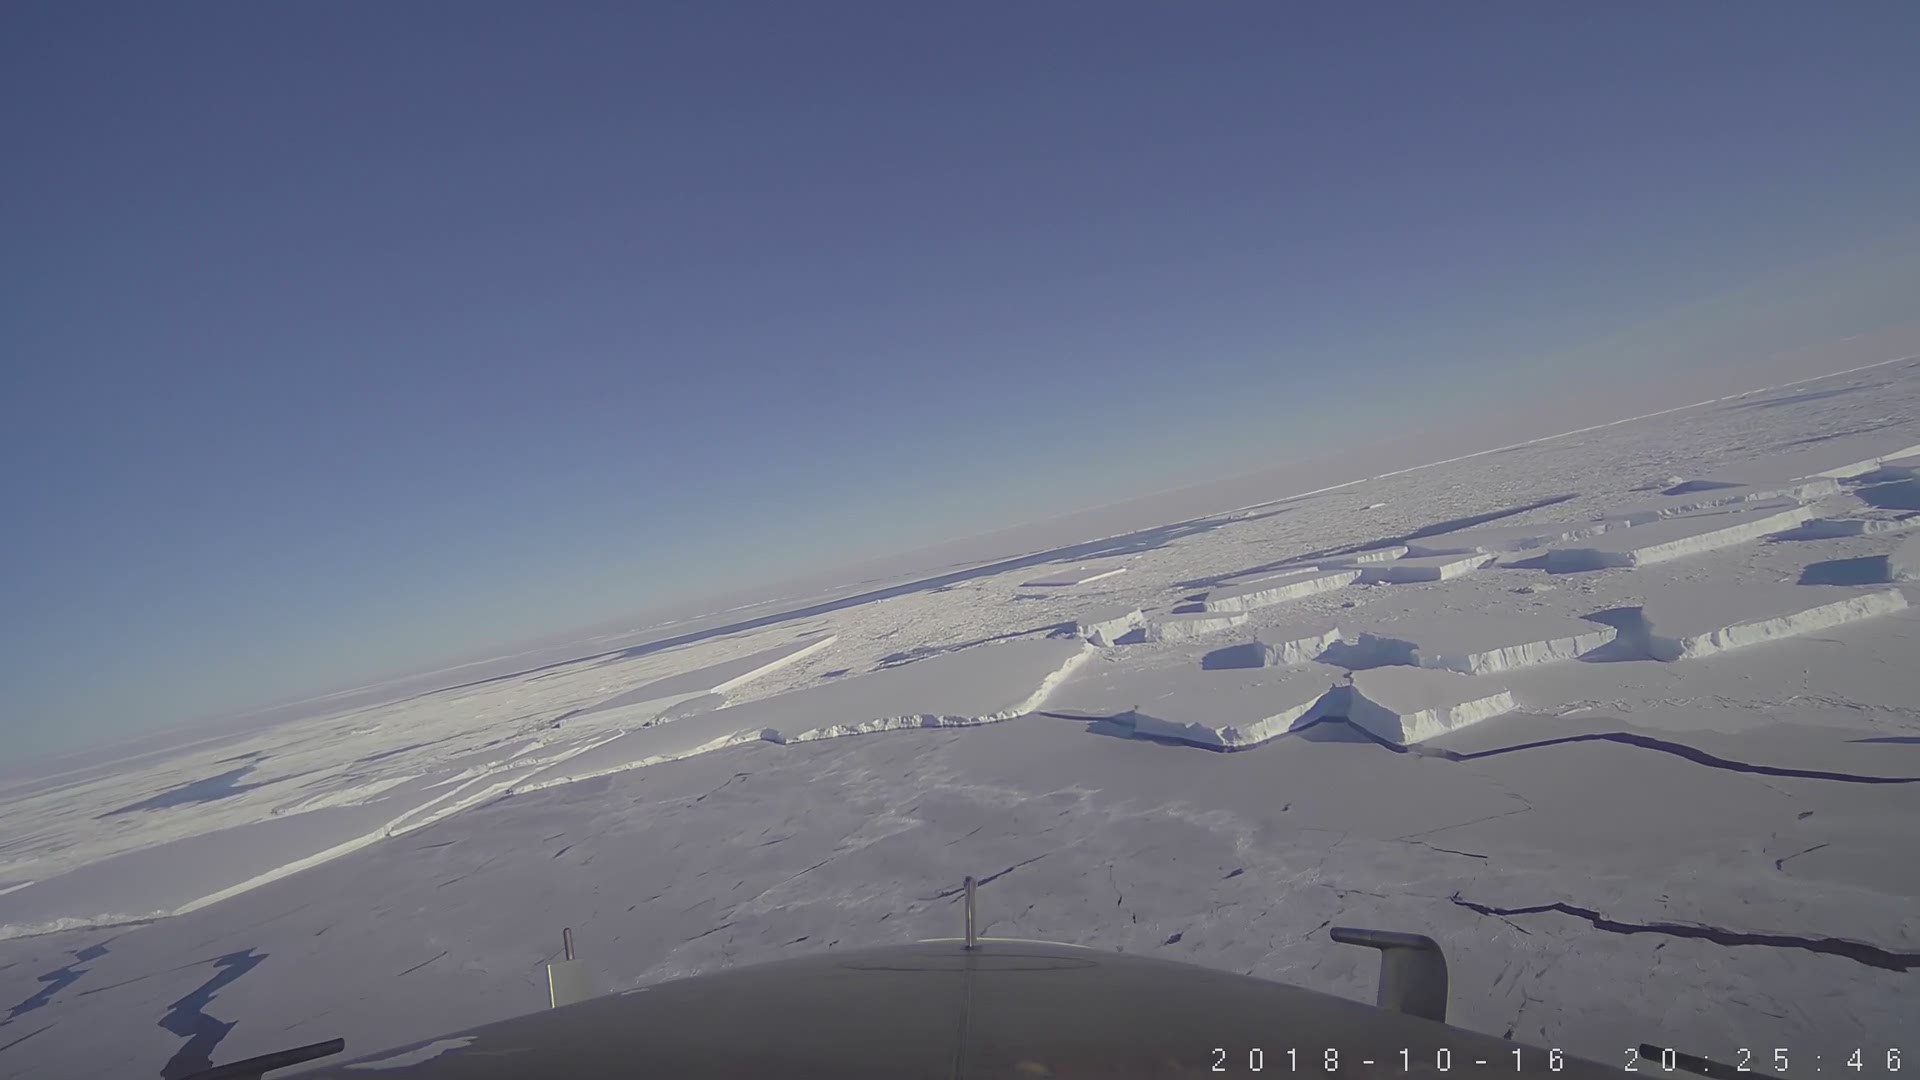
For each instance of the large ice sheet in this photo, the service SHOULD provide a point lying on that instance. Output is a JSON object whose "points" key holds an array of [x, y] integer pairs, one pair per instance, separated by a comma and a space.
{"points": [[1195, 624], [1232, 710], [1267, 593], [1425, 568], [1409, 705], [1686, 621], [1484, 642], [1108, 625], [973, 686], [1276, 647], [1673, 538]]}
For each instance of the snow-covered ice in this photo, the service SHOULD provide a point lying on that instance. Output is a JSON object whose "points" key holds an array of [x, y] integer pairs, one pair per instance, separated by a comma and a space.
{"points": [[973, 686], [1674, 538], [1482, 642], [1500, 539], [1279, 590], [1108, 625], [1186, 626], [1834, 527], [1236, 709], [1376, 555], [1424, 568], [1804, 474], [718, 678], [1276, 647], [1689, 621], [1410, 705]]}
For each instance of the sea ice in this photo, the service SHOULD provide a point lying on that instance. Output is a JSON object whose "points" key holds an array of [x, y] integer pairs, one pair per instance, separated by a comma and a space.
{"points": [[1685, 621], [1425, 568], [1275, 647], [1501, 539], [1673, 538], [1376, 555], [1831, 459], [1231, 710], [1105, 627], [1410, 705], [1835, 527], [1267, 593], [1190, 625], [1481, 643], [718, 678]]}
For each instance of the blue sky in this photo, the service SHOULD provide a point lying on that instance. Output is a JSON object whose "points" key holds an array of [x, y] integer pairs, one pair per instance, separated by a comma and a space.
{"points": [[342, 338]]}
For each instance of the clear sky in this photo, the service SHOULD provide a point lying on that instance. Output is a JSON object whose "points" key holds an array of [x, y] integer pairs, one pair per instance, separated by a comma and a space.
{"points": [[339, 338]]}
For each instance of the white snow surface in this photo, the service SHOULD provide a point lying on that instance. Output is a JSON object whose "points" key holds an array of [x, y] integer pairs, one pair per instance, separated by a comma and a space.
{"points": [[399, 866]]}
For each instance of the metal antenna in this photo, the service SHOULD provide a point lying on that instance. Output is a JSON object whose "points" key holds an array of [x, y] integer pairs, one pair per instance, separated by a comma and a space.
{"points": [[566, 940], [971, 940]]}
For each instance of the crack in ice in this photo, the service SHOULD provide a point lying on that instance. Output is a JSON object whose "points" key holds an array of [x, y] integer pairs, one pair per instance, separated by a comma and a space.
{"points": [[1858, 951]]}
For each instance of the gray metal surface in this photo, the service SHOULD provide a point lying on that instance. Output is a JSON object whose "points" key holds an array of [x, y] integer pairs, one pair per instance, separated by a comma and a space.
{"points": [[939, 1009]]}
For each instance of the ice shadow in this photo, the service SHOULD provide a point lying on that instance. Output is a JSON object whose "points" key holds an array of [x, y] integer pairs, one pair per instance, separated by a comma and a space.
{"points": [[1894, 495], [1896, 740], [187, 1017], [57, 980], [205, 790], [1866, 570], [1116, 726], [1630, 641]]}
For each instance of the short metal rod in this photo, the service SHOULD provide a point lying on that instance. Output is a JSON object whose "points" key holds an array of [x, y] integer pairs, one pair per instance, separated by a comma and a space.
{"points": [[970, 889], [566, 941]]}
